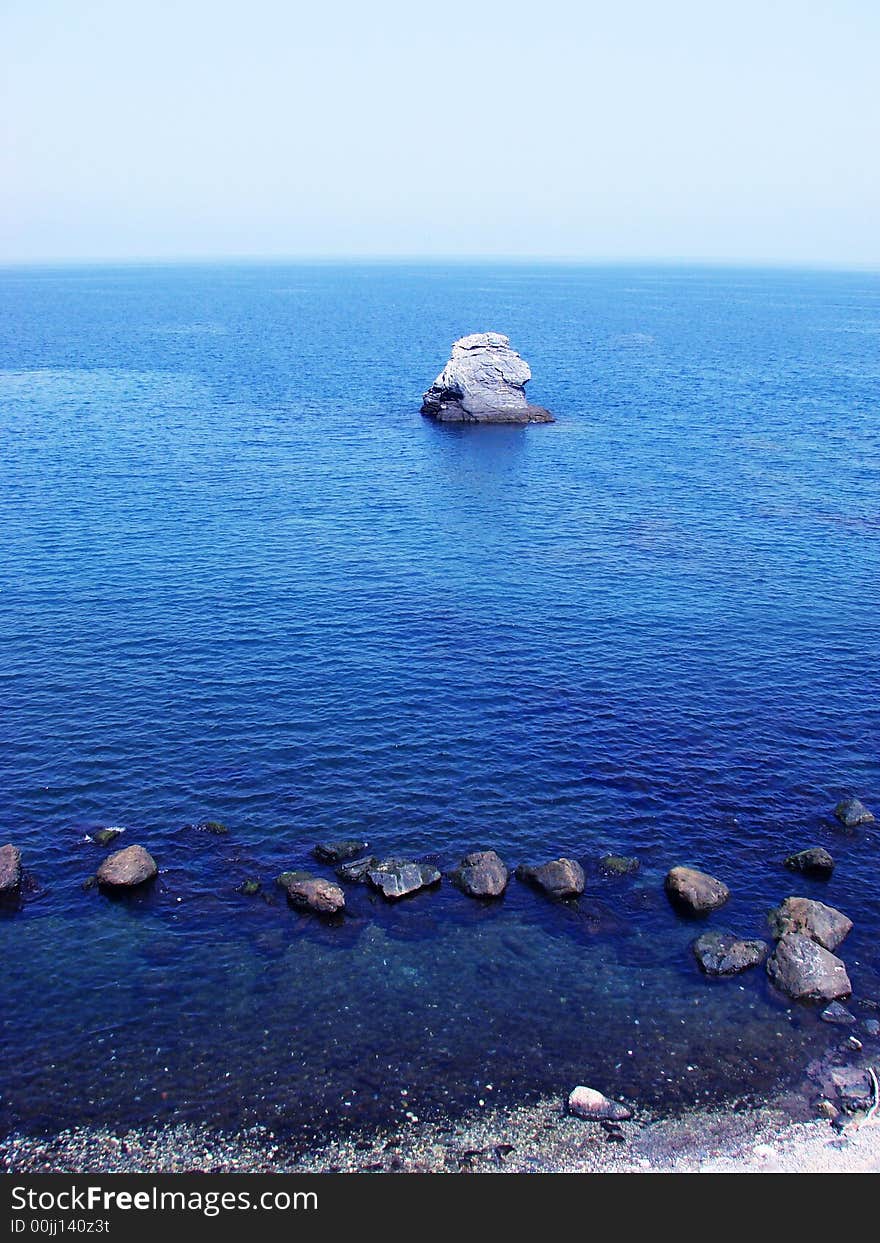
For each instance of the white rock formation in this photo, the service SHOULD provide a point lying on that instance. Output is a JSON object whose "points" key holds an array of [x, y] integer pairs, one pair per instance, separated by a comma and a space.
{"points": [[483, 382]]}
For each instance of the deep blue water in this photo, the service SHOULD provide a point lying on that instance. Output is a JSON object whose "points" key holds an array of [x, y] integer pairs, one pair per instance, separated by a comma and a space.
{"points": [[242, 578]]}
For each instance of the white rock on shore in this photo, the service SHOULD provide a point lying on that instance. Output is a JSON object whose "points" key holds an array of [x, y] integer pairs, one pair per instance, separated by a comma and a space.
{"points": [[592, 1105]]}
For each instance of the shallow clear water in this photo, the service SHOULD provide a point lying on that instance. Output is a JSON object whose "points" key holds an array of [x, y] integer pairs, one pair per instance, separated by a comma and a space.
{"points": [[242, 578]]}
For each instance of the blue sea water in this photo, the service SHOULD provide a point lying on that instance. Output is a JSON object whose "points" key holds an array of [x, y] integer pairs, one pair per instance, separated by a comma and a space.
{"points": [[241, 578]]}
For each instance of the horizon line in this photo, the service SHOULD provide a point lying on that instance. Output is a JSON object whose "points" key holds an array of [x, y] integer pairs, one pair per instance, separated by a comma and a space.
{"points": [[432, 260]]}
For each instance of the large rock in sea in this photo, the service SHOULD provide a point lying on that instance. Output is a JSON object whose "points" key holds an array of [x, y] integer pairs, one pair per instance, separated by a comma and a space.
{"points": [[814, 919], [560, 878], [852, 812], [481, 874], [483, 382], [719, 953], [695, 892], [128, 868], [802, 969], [10, 870], [395, 878]]}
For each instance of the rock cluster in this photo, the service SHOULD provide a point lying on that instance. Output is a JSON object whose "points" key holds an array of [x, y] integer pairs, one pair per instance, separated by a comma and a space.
{"points": [[802, 965], [483, 382]]}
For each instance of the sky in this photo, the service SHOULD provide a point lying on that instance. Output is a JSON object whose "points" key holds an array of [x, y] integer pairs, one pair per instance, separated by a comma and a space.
{"points": [[665, 130]]}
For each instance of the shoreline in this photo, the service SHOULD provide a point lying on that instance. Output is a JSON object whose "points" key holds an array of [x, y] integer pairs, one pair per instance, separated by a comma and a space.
{"points": [[779, 1135]]}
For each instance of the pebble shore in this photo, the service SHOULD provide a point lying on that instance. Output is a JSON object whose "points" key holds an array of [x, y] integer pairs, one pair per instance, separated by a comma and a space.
{"points": [[539, 1138]]}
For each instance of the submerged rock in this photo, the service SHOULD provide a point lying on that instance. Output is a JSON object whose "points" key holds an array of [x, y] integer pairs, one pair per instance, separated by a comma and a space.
{"points": [[395, 878], [838, 1015], [250, 888], [720, 953], [696, 892], [619, 865], [213, 827], [561, 878], [481, 874], [802, 969], [483, 382], [283, 879], [339, 852], [10, 870], [813, 862], [357, 870], [814, 919], [103, 837], [594, 1106], [127, 868], [314, 893], [852, 812]]}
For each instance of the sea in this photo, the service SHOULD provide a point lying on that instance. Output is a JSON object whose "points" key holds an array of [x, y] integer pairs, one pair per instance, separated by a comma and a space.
{"points": [[243, 579]]}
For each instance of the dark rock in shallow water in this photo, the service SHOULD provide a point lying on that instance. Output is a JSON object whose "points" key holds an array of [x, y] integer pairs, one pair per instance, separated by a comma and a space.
{"points": [[696, 892], [813, 862], [852, 812], [802, 969], [313, 893], [395, 878], [103, 837], [250, 888], [814, 919], [720, 953], [481, 874], [594, 1106], [213, 827], [10, 870], [483, 382], [837, 1014], [619, 865], [356, 871], [561, 878], [853, 1086], [339, 852], [128, 868], [283, 879]]}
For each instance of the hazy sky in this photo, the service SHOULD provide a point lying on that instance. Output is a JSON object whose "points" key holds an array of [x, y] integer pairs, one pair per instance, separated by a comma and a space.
{"points": [[746, 130]]}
